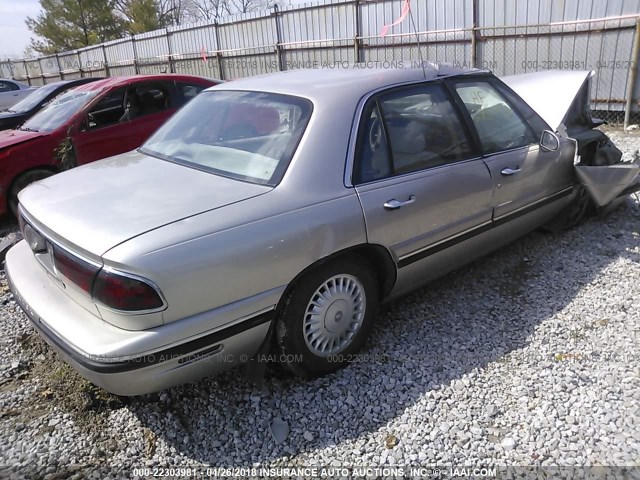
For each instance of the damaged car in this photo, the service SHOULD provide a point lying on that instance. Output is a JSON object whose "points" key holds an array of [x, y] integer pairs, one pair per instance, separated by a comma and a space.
{"points": [[278, 212], [13, 117], [87, 123], [562, 99]]}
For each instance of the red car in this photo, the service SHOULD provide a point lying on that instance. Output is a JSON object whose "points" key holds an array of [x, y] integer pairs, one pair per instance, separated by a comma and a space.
{"points": [[88, 123]]}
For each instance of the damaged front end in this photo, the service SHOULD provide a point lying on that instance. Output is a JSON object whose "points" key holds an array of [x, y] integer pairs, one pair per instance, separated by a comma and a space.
{"points": [[561, 98]]}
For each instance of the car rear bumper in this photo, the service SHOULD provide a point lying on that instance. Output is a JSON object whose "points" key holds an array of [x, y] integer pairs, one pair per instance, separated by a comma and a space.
{"points": [[127, 373]]}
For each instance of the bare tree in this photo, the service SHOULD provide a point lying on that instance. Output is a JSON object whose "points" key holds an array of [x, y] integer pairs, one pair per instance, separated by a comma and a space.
{"points": [[172, 12], [244, 6], [208, 10]]}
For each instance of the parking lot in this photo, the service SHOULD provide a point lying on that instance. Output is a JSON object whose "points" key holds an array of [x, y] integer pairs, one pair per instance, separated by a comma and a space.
{"points": [[530, 356]]}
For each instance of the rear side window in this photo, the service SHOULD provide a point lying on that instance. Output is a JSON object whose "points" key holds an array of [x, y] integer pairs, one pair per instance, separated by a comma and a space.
{"points": [[499, 126], [374, 160], [7, 86], [410, 130]]}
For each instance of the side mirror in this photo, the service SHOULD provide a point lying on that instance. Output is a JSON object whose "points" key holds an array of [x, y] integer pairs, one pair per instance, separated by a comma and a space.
{"points": [[549, 141]]}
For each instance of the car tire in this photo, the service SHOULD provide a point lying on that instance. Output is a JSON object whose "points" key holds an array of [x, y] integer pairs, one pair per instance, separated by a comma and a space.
{"points": [[572, 214], [21, 182], [325, 298]]}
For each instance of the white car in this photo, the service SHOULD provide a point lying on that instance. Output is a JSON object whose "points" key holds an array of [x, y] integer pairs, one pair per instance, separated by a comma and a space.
{"points": [[11, 92]]}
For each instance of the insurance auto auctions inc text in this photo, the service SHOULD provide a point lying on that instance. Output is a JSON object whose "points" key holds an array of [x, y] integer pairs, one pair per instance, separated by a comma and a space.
{"points": [[320, 472]]}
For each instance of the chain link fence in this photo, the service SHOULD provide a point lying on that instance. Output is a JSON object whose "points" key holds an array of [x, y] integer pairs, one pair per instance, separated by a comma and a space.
{"points": [[503, 36]]}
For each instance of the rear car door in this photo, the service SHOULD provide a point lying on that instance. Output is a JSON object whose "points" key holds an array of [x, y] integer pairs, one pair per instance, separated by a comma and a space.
{"points": [[123, 119], [524, 174], [416, 172]]}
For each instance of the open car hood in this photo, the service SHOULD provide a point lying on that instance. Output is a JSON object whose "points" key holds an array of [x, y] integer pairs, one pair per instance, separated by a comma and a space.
{"points": [[550, 93], [561, 98]]}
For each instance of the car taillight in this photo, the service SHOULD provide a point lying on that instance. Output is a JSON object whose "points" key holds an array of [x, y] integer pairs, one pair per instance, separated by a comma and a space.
{"points": [[76, 270], [125, 293]]}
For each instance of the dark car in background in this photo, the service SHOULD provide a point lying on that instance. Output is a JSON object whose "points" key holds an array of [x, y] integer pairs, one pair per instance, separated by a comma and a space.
{"points": [[88, 123], [22, 111]]}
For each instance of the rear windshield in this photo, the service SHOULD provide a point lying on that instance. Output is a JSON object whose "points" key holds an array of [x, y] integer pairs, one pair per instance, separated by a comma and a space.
{"points": [[250, 136]]}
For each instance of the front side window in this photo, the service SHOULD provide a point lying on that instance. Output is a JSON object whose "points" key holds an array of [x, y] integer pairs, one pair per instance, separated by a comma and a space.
{"points": [[108, 110], [250, 136], [418, 127], [498, 125], [129, 103]]}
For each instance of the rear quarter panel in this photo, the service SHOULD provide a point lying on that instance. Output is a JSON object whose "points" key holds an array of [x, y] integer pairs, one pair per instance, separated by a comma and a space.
{"points": [[240, 251]]}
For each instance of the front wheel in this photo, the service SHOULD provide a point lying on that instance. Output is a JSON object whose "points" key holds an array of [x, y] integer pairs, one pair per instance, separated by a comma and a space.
{"points": [[22, 182], [327, 316]]}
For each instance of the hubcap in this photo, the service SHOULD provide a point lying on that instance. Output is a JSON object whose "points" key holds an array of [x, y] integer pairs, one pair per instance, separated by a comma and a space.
{"points": [[334, 315]]}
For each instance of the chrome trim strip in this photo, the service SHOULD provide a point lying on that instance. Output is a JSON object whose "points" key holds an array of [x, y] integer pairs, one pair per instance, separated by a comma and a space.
{"points": [[467, 234], [482, 226]]}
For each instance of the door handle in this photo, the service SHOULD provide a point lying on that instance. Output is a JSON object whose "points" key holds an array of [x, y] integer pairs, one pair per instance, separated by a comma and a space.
{"points": [[394, 204], [510, 171]]}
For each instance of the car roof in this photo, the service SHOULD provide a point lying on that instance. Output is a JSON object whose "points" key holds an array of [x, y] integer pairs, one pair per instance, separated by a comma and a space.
{"points": [[13, 81], [79, 81], [122, 81], [353, 80]]}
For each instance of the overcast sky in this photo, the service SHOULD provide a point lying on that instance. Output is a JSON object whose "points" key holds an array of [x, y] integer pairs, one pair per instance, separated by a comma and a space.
{"points": [[14, 34]]}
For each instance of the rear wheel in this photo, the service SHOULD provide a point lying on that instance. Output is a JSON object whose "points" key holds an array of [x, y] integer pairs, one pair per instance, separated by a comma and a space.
{"points": [[21, 182], [327, 316]]}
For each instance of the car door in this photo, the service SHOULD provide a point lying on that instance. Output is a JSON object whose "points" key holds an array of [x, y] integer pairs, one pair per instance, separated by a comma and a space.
{"points": [[114, 125], [9, 94], [416, 173], [524, 173]]}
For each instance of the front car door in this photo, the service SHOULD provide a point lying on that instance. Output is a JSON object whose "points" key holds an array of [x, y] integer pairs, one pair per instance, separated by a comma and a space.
{"points": [[418, 176], [524, 174], [123, 119]]}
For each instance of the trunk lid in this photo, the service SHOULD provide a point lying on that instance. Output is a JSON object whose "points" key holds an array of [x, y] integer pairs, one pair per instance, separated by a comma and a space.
{"points": [[100, 205]]}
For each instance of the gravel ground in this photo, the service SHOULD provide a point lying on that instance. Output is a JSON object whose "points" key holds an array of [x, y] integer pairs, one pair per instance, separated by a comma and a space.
{"points": [[527, 357]]}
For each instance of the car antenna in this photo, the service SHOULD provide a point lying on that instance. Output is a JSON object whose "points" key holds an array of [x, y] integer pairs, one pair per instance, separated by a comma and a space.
{"points": [[415, 31], [406, 10]]}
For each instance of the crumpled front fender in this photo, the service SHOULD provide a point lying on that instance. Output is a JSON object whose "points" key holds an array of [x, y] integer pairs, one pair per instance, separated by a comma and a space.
{"points": [[605, 183]]}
